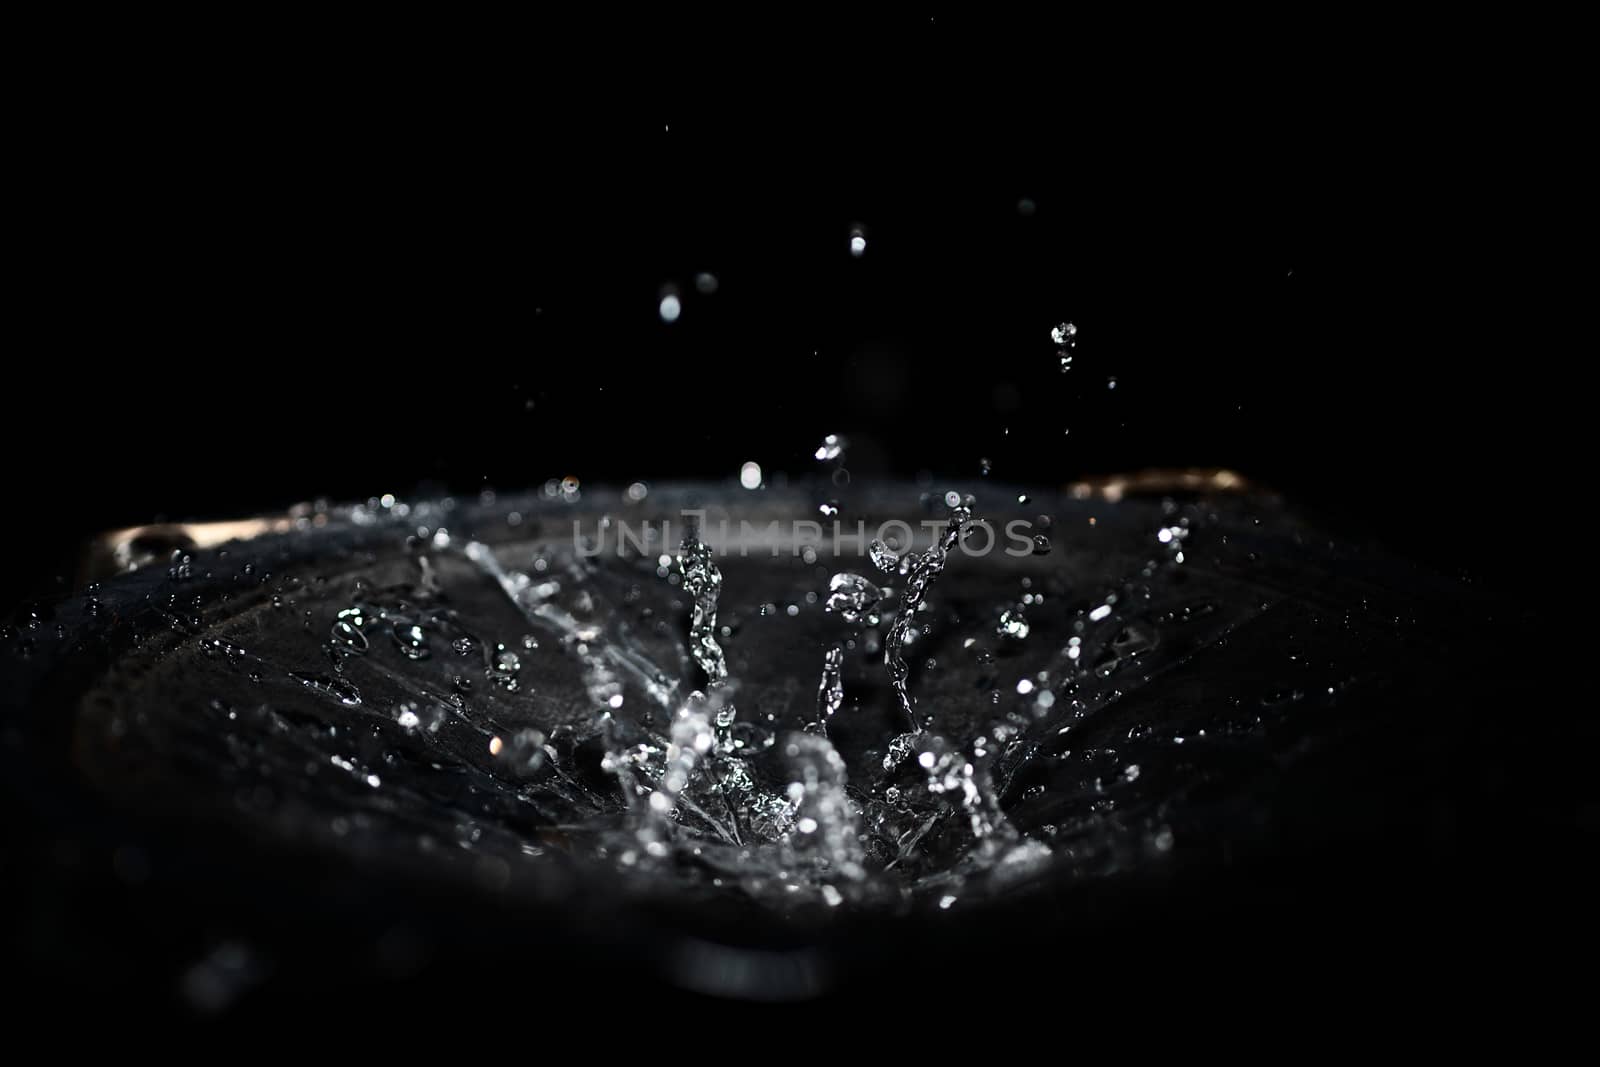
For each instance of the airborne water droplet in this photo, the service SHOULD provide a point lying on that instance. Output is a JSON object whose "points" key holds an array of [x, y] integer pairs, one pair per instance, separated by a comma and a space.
{"points": [[1013, 625], [1063, 333], [830, 694], [883, 557], [854, 598], [832, 447]]}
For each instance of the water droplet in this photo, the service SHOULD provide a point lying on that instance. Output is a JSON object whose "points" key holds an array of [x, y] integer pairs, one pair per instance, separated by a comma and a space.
{"points": [[337, 688], [1041, 545], [830, 694], [347, 633], [750, 475], [883, 557], [832, 447], [854, 598], [703, 581], [899, 749], [1013, 625], [411, 640], [1063, 333], [670, 308]]}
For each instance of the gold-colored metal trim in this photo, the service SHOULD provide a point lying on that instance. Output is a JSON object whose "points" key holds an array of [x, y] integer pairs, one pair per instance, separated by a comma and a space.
{"points": [[1160, 481], [135, 546]]}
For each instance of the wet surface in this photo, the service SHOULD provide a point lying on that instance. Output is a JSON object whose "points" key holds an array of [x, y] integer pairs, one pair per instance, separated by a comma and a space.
{"points": [[459, 698]]}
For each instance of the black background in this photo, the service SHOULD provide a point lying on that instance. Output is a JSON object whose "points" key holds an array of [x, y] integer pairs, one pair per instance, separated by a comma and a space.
{"points": [[249, 282]]}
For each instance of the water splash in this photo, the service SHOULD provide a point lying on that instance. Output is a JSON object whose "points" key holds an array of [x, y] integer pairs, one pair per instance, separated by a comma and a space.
{"points": [[962, 781], [692, 738], [779, 820], [921, 570], [855, 598], [703, 581], [825, 834], [605, 661], [883, 557], [830, 694]]}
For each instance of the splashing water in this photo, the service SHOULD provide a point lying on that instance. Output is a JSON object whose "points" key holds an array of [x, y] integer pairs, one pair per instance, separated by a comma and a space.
{"points": [[855, 598], [954, 775], [825, 837], [590, 731], [921, 570], [883, 557], [830, 694], [703, 581]]}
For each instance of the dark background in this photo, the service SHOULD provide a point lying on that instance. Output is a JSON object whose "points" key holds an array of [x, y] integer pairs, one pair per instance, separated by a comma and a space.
{"points": [[247, 285]]}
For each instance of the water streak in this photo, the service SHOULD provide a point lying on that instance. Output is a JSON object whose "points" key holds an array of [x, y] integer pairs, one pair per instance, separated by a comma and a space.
{"points": [[830, 694], [921, 570]]}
